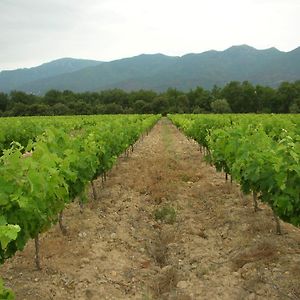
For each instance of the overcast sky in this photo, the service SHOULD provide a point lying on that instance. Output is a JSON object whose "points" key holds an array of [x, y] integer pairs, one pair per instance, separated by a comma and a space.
{"points": [[36, 31]]}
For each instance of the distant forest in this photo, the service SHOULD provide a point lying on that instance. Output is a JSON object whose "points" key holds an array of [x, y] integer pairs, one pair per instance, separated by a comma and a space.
{"points": [[235, 97]]}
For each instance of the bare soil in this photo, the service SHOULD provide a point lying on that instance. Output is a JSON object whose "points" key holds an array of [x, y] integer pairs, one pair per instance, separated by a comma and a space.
{"points": [[165, 226]]}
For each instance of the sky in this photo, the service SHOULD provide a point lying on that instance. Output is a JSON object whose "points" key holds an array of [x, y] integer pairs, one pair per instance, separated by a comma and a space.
{"points": [[36, 31]]}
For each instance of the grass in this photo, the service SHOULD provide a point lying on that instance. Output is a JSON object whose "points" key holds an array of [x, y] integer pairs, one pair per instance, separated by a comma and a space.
{"points": [[166, 214]]}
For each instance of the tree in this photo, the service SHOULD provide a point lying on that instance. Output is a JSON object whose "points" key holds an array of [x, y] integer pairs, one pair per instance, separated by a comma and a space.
{"points": [[250, 100], [295, 106], [286, 94], [233, 93], [138, 106], [160, 105], [147, 109], [19, 109], [216, 92], [220, 106], [145, 95], [21, 97], [116, 96], [178, 104], [99, 109], [200, 98], [52, 97], [267, 100], [80, 108], [198, 110], [68, 96], [3, 101], [60, 109], [38, 109], [183, 103], [113, 108]]}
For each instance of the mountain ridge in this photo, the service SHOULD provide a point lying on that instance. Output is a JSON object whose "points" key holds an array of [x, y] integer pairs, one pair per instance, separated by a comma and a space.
{"points": [[20, 76], [159, 71]]}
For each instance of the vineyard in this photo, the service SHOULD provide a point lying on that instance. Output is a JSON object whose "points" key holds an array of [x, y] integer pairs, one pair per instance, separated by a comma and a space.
{"points": [[160, 223], [261, 153], [49, 165]]}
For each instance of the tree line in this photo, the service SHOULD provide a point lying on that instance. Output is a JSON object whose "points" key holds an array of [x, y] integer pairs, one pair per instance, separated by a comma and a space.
{"points": [[234, 97]]}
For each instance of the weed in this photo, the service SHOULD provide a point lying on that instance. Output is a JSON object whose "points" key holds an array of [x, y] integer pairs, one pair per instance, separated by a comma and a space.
{"points": [[166, 214]]}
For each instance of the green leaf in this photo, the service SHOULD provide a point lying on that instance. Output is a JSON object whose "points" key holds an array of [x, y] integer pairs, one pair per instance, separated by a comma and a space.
{"points": [[8, 233]]}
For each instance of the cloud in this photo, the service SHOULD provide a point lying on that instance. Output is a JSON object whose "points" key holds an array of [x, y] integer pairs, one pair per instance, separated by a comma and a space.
{"points": [[34, 31]]}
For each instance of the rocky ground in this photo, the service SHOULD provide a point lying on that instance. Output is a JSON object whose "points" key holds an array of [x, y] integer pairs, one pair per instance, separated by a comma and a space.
{"points": [[165, 226]]}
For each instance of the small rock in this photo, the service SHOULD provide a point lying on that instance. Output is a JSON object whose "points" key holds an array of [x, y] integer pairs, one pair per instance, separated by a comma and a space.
{"points": [[166, 269], [82, 234], [145, 264], [85, 260], [102, 281], [36, 279], [236, 274], [182, 284], [113, 235]]}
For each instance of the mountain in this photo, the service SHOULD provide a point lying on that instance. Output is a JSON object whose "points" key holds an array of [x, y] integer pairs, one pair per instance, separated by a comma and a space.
{"points": [[159, 72], [10, 80]]}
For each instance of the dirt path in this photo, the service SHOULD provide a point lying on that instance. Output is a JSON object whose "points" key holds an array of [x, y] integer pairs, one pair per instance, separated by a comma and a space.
{"points": [[165, 226]]}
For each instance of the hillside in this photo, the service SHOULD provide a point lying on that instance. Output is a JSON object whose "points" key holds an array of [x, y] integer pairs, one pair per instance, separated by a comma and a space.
{"points": [[10, 80], [158, 72]]}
